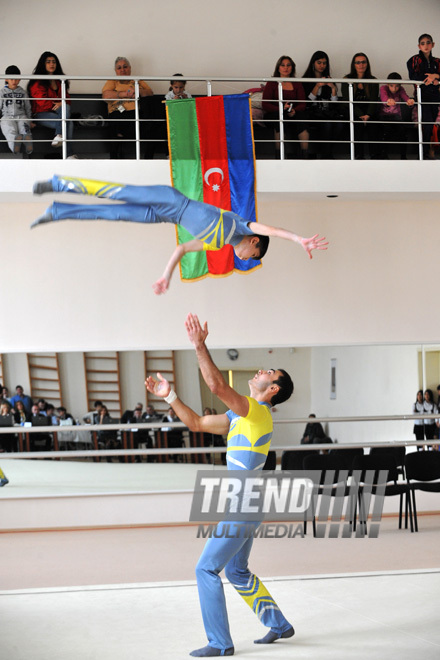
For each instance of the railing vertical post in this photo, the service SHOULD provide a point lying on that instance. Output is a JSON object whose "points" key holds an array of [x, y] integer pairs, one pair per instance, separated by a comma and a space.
{"points": [[351, 115], [208, 88], [419, 121], [136, 116], [63, 119], [281, 112]]}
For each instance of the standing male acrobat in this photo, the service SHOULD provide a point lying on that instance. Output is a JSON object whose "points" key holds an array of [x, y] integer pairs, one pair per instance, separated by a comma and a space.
{"points": [[249, 426]]}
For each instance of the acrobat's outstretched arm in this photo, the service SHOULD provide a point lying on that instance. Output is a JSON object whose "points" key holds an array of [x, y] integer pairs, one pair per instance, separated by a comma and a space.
{"points": [[162, 284], [308, 244]]}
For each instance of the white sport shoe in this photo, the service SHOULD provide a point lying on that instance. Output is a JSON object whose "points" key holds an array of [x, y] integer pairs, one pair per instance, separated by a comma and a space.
{"points": [[72, 157], [57, 141]]}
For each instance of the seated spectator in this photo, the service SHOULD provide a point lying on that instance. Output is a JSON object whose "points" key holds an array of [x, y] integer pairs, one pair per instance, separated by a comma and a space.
{"points": [[92, 416], [140, 436], [128, 414], [323, 109], [151, 415], [174, 436], [5, 394], [21, 396], [7, 440], [47, 103], [365, 108], [50, 414], [314, 434], [39, 441], [392, 112], [120, 97], [108, 439], [66, 419], [20, 415], [41, 403], [293, 98], [177, 89]]}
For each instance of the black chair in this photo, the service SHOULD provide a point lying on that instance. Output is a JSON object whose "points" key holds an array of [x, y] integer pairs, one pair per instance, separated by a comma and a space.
{"points": [[293, 460], [422, 470], [366, 473], [397, 452], [271, 461], [333, 482], [347, 456]]}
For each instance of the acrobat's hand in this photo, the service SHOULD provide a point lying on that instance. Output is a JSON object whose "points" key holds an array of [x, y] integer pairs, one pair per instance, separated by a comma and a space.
{"points": [[160, 387], [314, 243], [196, 333], [161, 286]]}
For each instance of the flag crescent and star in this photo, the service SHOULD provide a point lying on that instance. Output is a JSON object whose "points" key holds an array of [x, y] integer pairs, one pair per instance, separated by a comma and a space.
{"points": [[212, 160]]}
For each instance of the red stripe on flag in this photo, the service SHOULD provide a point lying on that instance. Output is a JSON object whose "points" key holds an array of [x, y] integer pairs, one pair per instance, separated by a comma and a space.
{"points": [[220, 262], [213, 151]]}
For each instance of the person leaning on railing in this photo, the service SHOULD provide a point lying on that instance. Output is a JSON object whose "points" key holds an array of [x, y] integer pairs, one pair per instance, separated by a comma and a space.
{"points": [[394, 110], [120, 97], [46, 100]]}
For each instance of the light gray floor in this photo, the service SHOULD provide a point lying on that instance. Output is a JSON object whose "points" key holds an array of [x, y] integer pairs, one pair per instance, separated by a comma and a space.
{"points": [[391, 616]]}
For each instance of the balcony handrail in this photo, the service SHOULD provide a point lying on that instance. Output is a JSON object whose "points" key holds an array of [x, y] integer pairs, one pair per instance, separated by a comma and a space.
{"points": [[208, 80]]}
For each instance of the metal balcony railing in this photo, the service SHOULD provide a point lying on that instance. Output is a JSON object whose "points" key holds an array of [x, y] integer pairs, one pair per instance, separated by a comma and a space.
{"points": [[343, 145]]}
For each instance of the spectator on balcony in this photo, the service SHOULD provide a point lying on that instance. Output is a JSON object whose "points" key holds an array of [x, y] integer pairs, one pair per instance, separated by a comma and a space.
{"points": [[177, 89], [47, 100], [24, 398], [16, 113], [120, 97], [426, 68], [293, 97], [392, 112], [365, 106], [323, 95]]}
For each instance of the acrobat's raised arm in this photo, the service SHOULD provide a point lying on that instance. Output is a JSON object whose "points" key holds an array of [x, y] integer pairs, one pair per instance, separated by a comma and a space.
{"points": [[162, 284], [308, 244]]}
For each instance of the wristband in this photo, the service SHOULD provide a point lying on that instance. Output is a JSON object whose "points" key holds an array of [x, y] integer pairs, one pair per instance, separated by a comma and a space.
{"points": [[172, 396]]}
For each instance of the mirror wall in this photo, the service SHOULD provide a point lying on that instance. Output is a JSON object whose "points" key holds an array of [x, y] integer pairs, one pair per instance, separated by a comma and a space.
{"points": [[329, 381]]}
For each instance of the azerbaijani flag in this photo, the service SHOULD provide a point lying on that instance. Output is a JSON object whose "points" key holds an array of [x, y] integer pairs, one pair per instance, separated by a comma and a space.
{"points": [[212, 160]]}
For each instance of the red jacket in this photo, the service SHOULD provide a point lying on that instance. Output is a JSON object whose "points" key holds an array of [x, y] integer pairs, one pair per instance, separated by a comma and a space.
{"points": [[47, 95]]}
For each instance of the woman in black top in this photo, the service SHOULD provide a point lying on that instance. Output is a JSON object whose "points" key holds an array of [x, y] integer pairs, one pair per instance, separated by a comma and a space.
{"points": [[365, 107]]}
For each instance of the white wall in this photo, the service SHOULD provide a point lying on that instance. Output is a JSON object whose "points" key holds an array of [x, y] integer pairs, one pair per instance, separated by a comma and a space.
{"points": [[371, 380], [200, 37], [371, 286]]}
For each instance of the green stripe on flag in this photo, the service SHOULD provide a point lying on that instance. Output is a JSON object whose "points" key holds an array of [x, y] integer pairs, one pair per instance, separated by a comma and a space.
{"points": [[184, 148], [194, 264], [186, 169]]}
